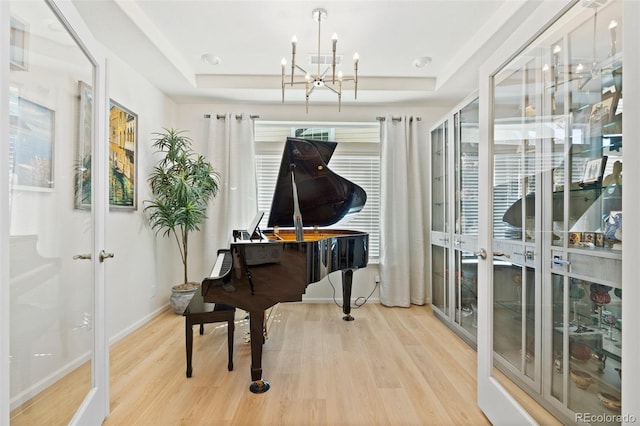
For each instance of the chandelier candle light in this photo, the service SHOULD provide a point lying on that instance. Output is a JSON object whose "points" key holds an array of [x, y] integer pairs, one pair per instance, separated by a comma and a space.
{"points": [[311, 82]]}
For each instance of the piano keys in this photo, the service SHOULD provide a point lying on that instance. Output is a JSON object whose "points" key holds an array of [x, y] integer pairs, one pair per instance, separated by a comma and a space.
{"points": [[278, 266]]}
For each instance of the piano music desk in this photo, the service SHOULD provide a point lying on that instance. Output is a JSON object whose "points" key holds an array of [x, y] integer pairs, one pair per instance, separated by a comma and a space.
{"points": [[197, 312]]}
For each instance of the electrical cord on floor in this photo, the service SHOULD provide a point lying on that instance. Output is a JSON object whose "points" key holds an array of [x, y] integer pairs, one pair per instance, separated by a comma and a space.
{"points": [[359, 301]]}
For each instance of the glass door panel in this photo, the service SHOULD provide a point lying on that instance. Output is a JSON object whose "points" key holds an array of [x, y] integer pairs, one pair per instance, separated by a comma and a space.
{"points": [[586, 216], [466, 276], [440, 278], [466, 158], [514, 316], [518, 139], [514, 158], [587, 339], [590, 180], [439, 178], [52, 231]]}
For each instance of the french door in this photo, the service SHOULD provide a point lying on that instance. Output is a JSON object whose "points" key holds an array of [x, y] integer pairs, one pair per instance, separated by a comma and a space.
{"points": [[54, 351], [553, 272], [493, 398]]}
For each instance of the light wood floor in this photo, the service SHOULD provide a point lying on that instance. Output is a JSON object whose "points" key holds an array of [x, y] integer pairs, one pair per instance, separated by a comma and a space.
{"points": [[398, 366]]}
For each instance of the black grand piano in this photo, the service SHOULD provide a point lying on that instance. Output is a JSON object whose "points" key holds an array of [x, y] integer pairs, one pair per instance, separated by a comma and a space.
{"points": [[263, 268]]}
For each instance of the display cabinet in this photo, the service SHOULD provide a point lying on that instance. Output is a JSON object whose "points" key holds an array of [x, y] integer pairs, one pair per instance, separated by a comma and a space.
{"points": [[557, 215], [454, 262], [440, 216]]}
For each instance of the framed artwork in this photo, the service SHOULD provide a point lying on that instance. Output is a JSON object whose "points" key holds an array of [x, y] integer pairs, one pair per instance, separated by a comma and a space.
{"points": [[123, 143], [603, 112], [575, 237], [19, 45], [599, 239], [593, 171], [31, 145], [83, 162], [589, 237]]}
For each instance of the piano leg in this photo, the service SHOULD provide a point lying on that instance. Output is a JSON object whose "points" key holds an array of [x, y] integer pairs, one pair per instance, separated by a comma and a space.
{"points": [[347, 280], [189, 344], [256, 327]]}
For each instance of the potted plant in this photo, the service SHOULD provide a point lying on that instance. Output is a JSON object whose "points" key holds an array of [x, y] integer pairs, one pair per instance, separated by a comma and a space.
{"points": [[182, 184]]}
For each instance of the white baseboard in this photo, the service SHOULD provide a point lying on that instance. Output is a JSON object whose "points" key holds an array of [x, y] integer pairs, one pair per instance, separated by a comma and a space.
{"points": [[47, 381], [136, 325], [330, 300]]}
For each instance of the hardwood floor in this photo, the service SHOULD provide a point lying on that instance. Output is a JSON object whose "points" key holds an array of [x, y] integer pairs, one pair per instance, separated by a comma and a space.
{"points": [[398, 366]]}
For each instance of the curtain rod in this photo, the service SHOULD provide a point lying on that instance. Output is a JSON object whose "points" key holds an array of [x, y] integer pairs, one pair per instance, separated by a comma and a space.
{"points": [[238, 116], [398, 118]]}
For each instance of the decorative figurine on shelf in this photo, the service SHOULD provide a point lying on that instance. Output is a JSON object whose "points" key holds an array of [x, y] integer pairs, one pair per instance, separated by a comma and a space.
{"points": [[576, 293], [610, 319], [618, 292], [613, 227], [579, 352], [601, 297], [615, 178]]}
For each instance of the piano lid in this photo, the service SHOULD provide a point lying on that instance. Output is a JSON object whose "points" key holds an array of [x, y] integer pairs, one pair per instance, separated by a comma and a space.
{"points": [[324, 196]]}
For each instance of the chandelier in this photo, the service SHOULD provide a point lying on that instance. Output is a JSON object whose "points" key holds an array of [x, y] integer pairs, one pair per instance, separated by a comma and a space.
{"points": [[320, 79]]}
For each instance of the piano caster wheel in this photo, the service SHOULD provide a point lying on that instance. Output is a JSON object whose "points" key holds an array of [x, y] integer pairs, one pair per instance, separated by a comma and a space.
{"points": [[259, 386], [348, 317]]}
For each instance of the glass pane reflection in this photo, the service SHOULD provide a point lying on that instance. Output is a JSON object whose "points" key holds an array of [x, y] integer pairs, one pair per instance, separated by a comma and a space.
{"points": [[51, 295], [513, 321]]}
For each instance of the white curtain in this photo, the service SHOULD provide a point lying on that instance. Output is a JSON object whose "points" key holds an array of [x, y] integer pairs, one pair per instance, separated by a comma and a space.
{"points": [[404, 212], [231, 151]]}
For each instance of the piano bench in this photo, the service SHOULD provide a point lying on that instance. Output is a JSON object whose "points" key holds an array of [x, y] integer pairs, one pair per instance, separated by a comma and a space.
{"points": [[197, 312]]}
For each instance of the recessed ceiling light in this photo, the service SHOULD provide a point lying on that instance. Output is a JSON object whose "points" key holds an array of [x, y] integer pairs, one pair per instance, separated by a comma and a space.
{"points": [[210, 59], [422, 61]]}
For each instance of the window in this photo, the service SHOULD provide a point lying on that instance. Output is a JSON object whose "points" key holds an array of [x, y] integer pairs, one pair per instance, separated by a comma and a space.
{"points": [[357, 158]]}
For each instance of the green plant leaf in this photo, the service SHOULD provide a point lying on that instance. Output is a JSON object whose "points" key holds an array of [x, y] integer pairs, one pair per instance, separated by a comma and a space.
{"points": [[182, 184]]}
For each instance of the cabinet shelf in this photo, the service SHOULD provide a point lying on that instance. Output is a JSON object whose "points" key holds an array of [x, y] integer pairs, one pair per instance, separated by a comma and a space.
{"points": [[585, 400], [600, 252], [515, 307], [597, 342], [594, 189]]}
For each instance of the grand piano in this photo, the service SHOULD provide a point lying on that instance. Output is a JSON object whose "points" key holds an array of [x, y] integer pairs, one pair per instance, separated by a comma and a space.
{"points": [[263, 268]]}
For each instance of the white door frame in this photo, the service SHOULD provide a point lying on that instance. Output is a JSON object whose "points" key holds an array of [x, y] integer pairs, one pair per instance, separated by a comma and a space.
{"points": [[95, 407], [493, 399], [4, 216], [631, 208]]}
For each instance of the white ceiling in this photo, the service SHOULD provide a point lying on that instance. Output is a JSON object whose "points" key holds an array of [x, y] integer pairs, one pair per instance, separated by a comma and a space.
{"points": [[165, 39]]}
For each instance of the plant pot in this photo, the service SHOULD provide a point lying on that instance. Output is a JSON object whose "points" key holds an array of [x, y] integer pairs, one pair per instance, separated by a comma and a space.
{"points": [[180, 298]]}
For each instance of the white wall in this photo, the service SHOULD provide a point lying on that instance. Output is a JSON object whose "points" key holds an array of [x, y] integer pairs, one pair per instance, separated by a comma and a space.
{"points": [[140, 276]]}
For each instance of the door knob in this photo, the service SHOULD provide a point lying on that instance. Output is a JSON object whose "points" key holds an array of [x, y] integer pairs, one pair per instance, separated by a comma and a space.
{"points": [[104, 255], [481, 254], [82, 256]]}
